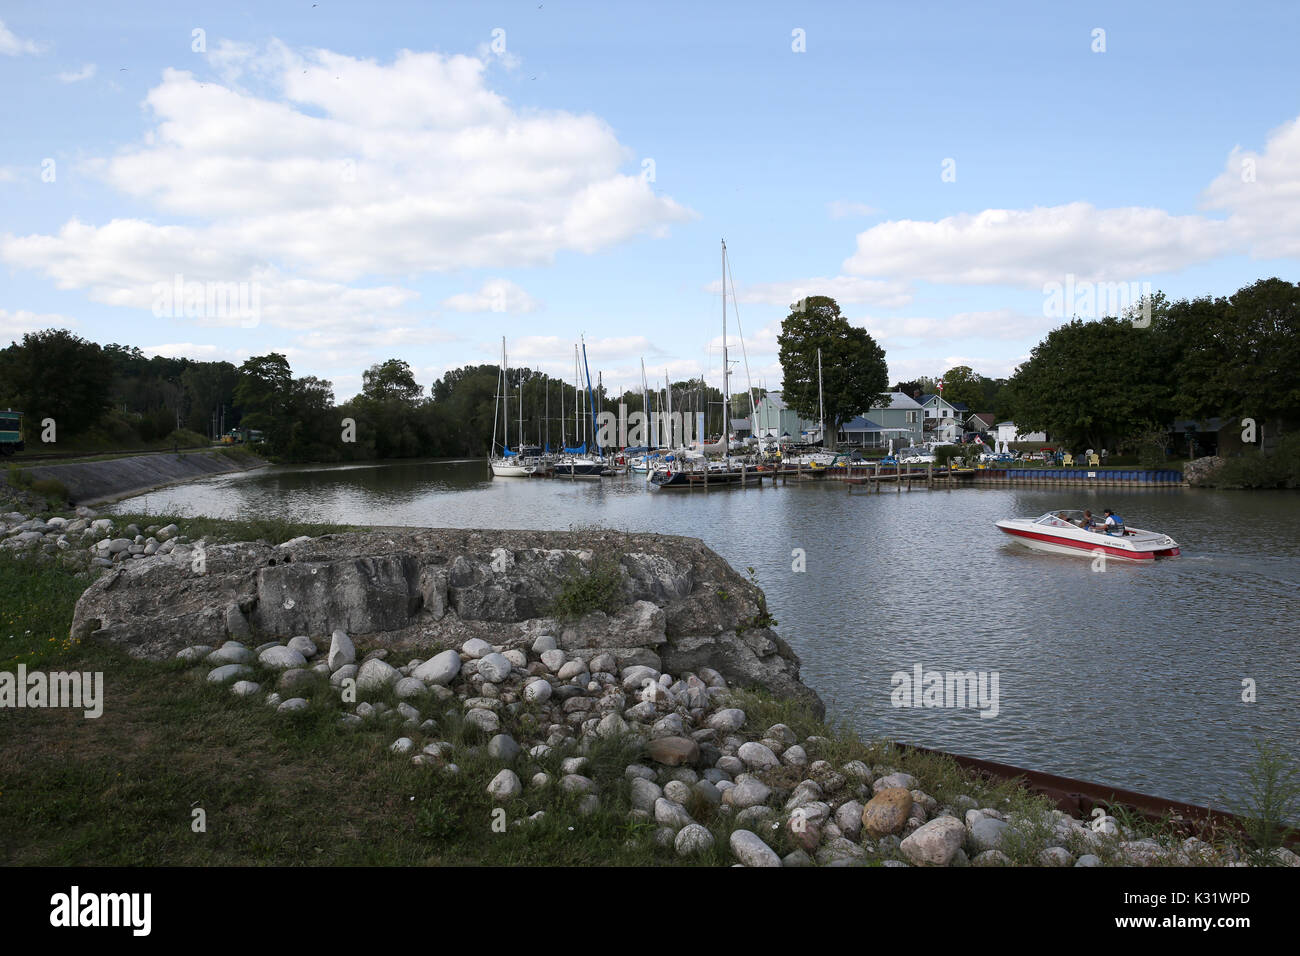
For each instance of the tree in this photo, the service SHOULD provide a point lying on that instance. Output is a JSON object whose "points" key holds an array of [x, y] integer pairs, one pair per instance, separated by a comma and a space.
{"points": [[963, 386], [1237, 356], [392, 379], [853, 367], [55, 374], [1094, 384]]}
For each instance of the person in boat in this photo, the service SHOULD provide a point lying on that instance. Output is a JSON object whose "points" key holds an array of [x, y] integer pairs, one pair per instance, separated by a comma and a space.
{"points": [[1114, 523], [1089, 521]]}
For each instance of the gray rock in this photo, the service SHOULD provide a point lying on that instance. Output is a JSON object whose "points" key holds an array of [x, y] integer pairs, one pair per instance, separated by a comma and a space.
{"points": [[757, 757], [376, 675], [668, 813], [505, 786], [245, 688], [644, 794], [494, 667], [728, 720], [440, 669], [346, 672], [485, 720], [303, 645], [282, 658], [476, 648], [231, 652], [750, 850], [987, 834], [748, 792], [342, 650], [409, 687], [402, 745], [935, 843], [292, 705], [537, 691], [693, 839], [504, 748], [219, 675]]}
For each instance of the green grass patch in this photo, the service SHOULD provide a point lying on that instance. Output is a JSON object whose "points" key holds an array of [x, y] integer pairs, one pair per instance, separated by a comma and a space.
{"points": [[597, 588]]}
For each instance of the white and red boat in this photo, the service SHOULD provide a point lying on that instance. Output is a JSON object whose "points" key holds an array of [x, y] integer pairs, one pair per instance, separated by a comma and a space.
{"points": [[1062, 532]]}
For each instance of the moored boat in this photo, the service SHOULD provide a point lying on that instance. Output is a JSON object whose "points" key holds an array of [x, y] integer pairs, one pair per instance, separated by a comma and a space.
{"points": [[1062, 532]]}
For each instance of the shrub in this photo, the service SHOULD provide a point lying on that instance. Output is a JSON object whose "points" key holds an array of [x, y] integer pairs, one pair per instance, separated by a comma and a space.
{"points": [[1279, 469], [599, 588]]}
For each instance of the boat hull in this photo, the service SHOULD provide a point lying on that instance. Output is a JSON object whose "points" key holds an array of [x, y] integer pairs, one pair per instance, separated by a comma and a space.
{"points": [[504, 469], [1089, 544]]}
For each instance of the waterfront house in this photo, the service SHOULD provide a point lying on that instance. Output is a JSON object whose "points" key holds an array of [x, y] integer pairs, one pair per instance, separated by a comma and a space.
{"points": [[773, 418], [981, 422], [893, 416], [943, 419]]}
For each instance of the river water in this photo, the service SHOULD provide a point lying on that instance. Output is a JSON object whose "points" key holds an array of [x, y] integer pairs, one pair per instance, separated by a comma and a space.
{"points": [[1132, 676]]}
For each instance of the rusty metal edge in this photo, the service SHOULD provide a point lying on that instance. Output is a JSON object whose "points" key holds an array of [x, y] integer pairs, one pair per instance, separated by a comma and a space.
{"points": [[1080, 797]]}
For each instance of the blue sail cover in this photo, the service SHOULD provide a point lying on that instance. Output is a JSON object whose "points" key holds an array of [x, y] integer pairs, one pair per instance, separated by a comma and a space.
{"points": [[507, 453], [577, 451]]}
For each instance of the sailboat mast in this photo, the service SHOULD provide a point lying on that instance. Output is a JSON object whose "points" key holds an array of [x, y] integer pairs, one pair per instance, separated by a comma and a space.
{"points": [[496, 408], [726, 369], [821, 409], [668, 394], [645, 405]]}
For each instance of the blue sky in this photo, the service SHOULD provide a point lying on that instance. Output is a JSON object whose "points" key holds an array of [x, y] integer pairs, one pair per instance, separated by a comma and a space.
{"points": [[418, 180]]}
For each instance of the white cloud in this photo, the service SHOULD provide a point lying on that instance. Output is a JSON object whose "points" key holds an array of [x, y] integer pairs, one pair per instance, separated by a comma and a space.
{"points": [[1004, 324], [11, 45], [13, 325], [1261, 193], [1028, 248], [495, 295], [339, 169], [85, 73]]}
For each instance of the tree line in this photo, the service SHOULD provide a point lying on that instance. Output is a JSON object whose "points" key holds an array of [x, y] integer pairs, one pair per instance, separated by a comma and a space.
{"points": [[114, 396]]}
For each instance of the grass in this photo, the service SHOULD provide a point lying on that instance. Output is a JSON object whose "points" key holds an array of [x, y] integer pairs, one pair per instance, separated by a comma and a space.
{"points": [[269, 528]]}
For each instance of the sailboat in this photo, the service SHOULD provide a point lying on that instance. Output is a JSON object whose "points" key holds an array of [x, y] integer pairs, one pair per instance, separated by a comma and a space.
{"points": [[576, 463], [724, 472], [509, 464]]}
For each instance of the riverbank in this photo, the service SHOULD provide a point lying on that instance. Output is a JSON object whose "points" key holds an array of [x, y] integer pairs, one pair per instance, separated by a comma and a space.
{"points": [[688, 767], [105, 480]]}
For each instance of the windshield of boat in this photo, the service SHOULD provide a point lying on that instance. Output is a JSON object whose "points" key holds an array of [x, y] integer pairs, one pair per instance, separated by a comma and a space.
{"points": [[1061, 519]]}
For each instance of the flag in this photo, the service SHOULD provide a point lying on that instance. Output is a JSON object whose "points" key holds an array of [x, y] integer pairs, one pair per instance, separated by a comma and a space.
{"points": [[941, 388]]}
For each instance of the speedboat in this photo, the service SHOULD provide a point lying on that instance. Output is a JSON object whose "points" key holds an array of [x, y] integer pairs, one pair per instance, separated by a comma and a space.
{"points": [[1061, 532]]}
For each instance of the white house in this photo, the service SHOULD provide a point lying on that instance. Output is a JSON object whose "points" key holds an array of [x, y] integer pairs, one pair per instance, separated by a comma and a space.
{"points": [[1006, 431], [937, 407]]}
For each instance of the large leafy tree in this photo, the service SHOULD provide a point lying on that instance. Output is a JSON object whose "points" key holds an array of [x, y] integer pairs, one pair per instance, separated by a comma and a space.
{"points": [[1238, 356], [1095, 384], [963, 386], [853, 369], [391, 380], [55, 374]]}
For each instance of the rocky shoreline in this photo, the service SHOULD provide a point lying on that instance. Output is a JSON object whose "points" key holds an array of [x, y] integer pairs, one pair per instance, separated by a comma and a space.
{"points": [[492, 681]]}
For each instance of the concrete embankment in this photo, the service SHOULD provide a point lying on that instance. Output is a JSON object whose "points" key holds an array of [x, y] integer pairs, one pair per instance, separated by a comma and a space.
{"points": [[93, 482]]}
